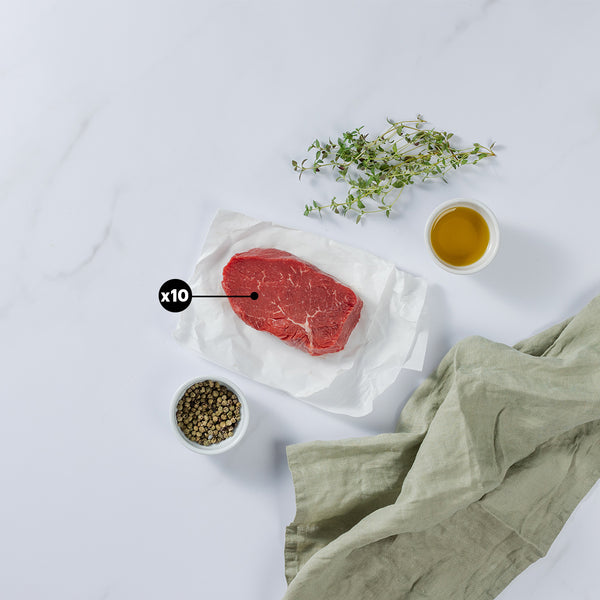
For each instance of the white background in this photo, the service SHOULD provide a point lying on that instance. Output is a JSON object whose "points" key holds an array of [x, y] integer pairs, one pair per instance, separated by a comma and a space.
{"points": [[124, 126]]}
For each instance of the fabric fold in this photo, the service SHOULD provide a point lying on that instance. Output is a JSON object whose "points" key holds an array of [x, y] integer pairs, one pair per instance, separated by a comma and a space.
{"points": [[490, 456]]}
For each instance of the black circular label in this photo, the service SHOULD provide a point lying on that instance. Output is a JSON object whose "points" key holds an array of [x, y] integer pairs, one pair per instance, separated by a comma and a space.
{"points": [[175, 295]]}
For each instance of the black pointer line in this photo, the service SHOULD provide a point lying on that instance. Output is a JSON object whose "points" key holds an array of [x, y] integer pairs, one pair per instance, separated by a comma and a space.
{"points": [[253, 295]]}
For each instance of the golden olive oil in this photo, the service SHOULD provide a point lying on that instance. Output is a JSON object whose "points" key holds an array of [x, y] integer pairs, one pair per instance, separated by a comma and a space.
{"points": [[460, 236]]}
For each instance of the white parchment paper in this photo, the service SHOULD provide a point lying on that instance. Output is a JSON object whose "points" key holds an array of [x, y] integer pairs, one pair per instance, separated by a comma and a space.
{"points": [[388, 335]]}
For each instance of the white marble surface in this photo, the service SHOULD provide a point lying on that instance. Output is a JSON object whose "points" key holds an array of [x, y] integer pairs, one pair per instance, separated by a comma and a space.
{"points": [[124, 125]]}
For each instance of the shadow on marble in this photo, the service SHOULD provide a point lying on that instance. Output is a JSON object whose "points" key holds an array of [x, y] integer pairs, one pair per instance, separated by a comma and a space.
{"points": [[260, 455], [439, 342], [578, 301], [527, 268]]}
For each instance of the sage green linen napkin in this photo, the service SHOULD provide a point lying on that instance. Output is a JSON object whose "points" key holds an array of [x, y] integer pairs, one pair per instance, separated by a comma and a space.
{"points": [[491, 455]]}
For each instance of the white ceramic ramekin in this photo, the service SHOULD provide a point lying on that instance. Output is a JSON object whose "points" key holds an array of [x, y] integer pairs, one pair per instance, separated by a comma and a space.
{"points": [[226, 444], [492, 247]]}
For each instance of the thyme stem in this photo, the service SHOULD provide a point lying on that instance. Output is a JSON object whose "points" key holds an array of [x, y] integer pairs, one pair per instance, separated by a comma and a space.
{"points": [[406, 152]]}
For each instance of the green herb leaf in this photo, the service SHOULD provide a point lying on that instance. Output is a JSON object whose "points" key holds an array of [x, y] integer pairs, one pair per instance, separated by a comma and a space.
{"points": [[377, 170]]}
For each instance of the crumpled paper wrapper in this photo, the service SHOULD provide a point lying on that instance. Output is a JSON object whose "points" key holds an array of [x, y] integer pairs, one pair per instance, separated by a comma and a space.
{"points": [[389, 335]]}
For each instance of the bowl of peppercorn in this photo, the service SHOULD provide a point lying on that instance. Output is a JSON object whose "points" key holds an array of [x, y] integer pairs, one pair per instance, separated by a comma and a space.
{"points": [[209, 415]]}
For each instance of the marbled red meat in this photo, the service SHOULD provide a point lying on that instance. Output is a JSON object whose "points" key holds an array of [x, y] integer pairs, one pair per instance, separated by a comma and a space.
{"points": [[297, 302]]}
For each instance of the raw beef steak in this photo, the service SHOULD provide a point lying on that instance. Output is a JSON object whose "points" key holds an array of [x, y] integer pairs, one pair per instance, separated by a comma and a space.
{"points": [[296, 302]]}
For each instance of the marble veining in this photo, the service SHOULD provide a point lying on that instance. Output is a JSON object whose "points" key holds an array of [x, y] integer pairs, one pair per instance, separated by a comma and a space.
{"points": [[470, 21], [96, 245]]}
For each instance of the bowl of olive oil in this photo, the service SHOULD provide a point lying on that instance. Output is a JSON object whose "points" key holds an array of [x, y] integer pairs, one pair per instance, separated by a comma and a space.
{"points": [[462, 236]]}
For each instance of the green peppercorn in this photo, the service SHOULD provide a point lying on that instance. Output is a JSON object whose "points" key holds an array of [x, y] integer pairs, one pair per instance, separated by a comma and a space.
{"points": [[208, 412]]}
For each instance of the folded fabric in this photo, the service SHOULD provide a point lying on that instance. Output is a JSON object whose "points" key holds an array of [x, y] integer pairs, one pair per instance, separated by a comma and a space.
{"points": [[491, 455]]}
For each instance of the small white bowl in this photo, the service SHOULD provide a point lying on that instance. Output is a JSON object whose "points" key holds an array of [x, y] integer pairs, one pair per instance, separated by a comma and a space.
{"points": [[492, 247], [226, 444]]}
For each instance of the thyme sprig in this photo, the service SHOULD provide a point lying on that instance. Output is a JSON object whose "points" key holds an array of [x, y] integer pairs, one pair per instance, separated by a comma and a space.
{"points": [[377, 170]]}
